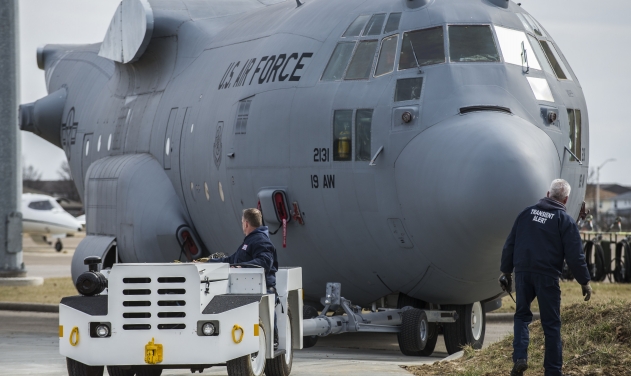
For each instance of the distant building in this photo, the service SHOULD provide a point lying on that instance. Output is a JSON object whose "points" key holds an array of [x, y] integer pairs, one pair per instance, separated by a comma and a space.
{"points": [[619, 205], [607, 191]]}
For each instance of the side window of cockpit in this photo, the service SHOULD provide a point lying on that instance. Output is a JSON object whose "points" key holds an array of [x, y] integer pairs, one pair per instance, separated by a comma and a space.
{"points": [[342, 135], [516, 48], [427, 45], [362, 61], [363, 122], [472, 43], [41, 205], [385, 63], [541, 56], [575, 145], [375, 24], [338, 62], [555, 60], [393, 23], [356, 27], [408, 89], [243, 112]]}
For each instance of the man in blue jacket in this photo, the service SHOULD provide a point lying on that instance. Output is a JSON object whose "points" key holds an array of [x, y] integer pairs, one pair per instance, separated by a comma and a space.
{"points": [[257, 249], [542, 237]]}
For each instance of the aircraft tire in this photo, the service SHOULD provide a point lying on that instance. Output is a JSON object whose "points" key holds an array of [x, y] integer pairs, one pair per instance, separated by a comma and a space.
{"points": [[118, 371], [148, 372], [251, 364], [627, 263], [59, 246], [619, 270], [469, 329], [76, 368], [309, 312], [281, 365], [414, 333]]}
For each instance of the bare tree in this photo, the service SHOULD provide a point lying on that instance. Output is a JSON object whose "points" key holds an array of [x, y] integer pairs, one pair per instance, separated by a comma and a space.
{"points": [[29, 173], [64, 171]]}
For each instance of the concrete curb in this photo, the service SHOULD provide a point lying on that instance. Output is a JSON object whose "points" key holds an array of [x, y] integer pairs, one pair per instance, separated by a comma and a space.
{"points": [[31, 307], [505, 317], [22, 281], [453, 356]]}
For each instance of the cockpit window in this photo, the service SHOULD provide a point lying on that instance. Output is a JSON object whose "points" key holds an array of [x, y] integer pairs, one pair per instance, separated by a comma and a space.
{"points": [[356, 27], [393, 23], [426, 44], [472, 43], [535, 25], [338, 62], [574, 119], [541, 56], [388, 52], [555, 60], [516, 48], [408, 89], [361, 63], [342, 135], [375, 24], [41, 205], [363, 121]]}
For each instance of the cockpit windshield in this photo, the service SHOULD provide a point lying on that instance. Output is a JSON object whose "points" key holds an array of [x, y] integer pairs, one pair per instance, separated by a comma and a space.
{"points": [[427, 44], [472, 43], [41, 205]]}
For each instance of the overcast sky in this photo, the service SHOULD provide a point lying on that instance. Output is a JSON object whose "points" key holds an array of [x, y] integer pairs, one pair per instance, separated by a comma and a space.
{"points": [[594, 36]]}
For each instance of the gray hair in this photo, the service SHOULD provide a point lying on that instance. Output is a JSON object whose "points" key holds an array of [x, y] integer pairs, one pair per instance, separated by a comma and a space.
{"points": [[560, 189]]}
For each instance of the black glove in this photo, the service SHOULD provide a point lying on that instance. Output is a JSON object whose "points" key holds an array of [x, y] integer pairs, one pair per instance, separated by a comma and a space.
{"points": [[508, 285], [587, 291]]}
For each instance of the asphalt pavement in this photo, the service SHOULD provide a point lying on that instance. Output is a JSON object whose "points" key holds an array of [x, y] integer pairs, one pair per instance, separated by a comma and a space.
{"points": [[29, 346]]}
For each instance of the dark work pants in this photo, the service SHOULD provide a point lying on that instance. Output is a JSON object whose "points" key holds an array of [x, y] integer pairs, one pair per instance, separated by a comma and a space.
{"points": [[547, 291]]}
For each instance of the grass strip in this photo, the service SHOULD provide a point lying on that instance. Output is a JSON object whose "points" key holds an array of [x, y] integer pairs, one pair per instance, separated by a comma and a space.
{"points": [[596, 341], [50, 292]]}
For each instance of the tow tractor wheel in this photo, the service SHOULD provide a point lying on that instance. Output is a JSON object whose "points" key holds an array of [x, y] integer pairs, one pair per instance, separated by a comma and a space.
{"points": [[119, 371], [59, 246], [405, 301], [414, 332], [469, 329], [309, 312], [79, 369], [251, 364], [281, 365]]}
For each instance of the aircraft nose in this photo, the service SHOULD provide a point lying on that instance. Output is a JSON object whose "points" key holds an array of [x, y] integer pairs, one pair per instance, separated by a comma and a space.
{"points": [[462, 182]]}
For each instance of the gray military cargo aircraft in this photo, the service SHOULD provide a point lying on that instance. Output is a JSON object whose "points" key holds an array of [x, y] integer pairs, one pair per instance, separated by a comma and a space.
{"points": [[396, 139]]}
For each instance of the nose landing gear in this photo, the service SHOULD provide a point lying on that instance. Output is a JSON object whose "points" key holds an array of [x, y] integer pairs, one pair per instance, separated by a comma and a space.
{"points": [[59, 245], [469, 329]]}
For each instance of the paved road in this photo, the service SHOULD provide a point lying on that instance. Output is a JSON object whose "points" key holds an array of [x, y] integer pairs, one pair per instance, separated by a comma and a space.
{"points": [[29, 346]]}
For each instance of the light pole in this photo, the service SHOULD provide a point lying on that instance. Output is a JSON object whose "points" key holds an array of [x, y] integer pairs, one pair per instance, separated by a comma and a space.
{"points": [[598, 188]]}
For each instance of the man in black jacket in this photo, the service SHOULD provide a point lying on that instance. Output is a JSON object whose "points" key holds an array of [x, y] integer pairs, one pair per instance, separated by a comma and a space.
{"points": [[542, 237], [256, 249]]}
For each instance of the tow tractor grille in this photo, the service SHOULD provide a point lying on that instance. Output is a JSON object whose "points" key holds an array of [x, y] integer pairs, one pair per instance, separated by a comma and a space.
{"points": [[143, 289]]}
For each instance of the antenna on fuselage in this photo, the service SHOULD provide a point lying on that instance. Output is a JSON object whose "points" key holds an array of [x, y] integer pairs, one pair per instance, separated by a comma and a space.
{"points": [[298, 3], [413, 53]]}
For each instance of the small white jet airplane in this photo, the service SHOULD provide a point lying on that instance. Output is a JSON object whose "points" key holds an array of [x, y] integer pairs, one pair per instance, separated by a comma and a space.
{"points": [[43, 218]]}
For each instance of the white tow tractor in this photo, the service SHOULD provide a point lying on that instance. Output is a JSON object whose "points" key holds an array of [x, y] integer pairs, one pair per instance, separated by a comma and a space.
{"points": [[138, 319]]}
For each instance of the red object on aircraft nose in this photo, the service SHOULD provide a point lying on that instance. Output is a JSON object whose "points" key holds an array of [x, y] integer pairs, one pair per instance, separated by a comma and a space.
{"points": [[189, 243]]}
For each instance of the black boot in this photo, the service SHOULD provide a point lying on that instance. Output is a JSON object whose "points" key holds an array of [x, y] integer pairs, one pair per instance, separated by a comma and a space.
{"points": [[520, 366]]}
